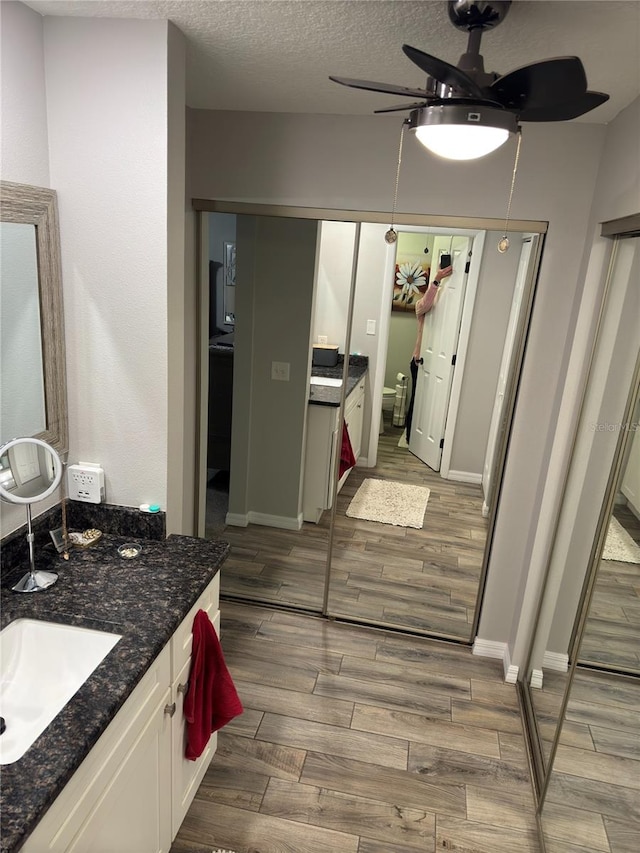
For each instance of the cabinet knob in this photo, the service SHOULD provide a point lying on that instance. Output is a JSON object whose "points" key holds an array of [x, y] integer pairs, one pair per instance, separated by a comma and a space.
{"points": [[170, 709], [182, 688]]}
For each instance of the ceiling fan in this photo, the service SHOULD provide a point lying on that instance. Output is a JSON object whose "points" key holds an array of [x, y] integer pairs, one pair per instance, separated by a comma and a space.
{"points": [[487, 105]]}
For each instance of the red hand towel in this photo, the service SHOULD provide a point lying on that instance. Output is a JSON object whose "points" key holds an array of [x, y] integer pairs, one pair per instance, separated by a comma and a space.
{"points": [[211, 700], [347, 459]]}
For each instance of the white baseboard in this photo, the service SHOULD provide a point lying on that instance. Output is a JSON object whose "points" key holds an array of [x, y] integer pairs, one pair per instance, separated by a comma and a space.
{"points": [[282, 521], [236, 519], [500, 651], [536, 678], [465, 477], [556, 661]]}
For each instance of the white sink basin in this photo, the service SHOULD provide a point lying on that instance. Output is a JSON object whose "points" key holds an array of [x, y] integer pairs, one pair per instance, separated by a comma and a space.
{"points": [[326, 380], [42, 665]]}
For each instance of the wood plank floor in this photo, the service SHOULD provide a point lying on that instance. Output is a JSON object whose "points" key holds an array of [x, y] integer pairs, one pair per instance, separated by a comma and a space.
{"points": [[593, 802], [612, 631], [357, 740], [423, 580]]}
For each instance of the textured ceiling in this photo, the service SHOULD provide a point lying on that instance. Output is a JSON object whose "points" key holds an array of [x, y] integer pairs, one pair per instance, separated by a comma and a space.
{"points": [[276, 55]]}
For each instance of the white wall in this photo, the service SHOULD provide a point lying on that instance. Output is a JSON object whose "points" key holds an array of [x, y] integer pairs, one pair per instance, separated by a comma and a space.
{"points": [[24, 153], [333, 284], [106, 84]]}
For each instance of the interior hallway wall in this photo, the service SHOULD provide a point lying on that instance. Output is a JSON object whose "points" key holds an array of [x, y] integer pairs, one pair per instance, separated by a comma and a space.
{"points": [[347, 162]]}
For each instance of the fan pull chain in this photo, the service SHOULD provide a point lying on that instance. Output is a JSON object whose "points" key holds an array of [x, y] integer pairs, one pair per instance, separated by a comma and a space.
{"points": [[392, 235], [503, 243]]}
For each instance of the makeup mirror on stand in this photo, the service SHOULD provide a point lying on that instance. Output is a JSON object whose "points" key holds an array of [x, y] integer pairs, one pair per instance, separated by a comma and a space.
{"points": [[30, 471]]}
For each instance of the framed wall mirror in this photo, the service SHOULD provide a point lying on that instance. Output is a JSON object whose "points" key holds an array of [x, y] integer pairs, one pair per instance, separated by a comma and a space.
{"points": [[307, 279], [33, 371], [581, 685]]}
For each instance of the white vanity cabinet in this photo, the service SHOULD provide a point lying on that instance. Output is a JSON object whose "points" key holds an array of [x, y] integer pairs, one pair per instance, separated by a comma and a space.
{"points": [[133, 789], [323, 443]]}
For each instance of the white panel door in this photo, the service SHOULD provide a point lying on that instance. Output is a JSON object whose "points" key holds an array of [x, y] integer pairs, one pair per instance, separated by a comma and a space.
{"points": [[435, 372]]}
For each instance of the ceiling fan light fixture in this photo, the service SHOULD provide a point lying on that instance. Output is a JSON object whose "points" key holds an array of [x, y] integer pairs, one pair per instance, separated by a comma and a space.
{"points": [[462, 131]]}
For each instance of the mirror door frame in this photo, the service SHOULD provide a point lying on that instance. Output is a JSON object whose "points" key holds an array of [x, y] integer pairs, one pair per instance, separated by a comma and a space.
{"points": [[541, 768], [203, 206]]}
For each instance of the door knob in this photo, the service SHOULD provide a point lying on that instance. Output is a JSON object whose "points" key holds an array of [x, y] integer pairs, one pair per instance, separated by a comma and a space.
{"points": [[421, 361]]}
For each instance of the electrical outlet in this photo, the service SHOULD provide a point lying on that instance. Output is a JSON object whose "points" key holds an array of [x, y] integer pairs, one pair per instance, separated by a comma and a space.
{"points": [[322, 339], [85, 482]]}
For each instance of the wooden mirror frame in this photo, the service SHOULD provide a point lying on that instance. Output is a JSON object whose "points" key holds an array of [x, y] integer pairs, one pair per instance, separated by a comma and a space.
{"points": [[24, 204]]}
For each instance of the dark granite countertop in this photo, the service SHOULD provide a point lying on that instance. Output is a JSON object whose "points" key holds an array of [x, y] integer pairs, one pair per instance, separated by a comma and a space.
{"points": [[323, 395], [145, 600]]}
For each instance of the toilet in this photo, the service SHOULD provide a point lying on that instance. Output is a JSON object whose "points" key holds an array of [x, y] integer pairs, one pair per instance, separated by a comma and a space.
{"points": [[388, 400]]}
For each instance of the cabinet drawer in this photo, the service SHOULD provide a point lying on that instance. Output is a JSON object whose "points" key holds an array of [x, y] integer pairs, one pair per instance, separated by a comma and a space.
{"points": [[182, 639]]}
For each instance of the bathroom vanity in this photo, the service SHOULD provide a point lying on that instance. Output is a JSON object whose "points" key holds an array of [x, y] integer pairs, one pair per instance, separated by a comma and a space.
{"points": [[109, 772], [323, 435]]}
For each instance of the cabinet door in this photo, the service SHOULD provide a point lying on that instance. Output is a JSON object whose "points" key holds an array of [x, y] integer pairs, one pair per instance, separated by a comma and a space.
{"points": [[133, 814], [354, 416], [322, 437], [187, 775], [137, 743]]}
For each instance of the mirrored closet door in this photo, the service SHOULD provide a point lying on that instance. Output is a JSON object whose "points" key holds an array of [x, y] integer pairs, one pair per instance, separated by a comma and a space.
{"points": [[304, 292], [581, 686]]}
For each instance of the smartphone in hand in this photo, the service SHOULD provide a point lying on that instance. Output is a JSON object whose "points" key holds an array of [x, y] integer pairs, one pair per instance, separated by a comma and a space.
{"points": [[445, 261]]}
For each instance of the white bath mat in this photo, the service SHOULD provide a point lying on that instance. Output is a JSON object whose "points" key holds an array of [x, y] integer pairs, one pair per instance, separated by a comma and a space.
{"points": [[390, 502], [403, 440], [619, 545]]}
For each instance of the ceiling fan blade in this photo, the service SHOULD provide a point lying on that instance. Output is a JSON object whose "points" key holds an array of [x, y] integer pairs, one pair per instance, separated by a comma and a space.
{"points": [[443, 72], [565, 112], [387, 88], [397, 107], [541, 85]]}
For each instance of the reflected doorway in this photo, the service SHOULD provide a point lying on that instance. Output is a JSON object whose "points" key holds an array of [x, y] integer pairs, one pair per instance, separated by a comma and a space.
{"points": [[425, 580]]}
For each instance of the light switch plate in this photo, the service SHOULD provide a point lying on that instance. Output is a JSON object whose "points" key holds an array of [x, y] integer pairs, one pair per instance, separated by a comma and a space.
{"points": [[280, 370], [371, 327]]}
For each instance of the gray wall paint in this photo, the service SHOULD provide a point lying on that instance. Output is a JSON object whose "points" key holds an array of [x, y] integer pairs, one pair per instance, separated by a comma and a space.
{"points": [[617, 194], [486, 341], [348, 162], [274, 257]]}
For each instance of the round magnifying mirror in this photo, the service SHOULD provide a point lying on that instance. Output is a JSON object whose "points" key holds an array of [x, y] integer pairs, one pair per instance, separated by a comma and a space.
{"points": [[30, 470]]}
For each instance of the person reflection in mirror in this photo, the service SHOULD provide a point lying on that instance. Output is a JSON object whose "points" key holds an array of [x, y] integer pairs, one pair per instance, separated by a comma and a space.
{"points": [[425, 304]]}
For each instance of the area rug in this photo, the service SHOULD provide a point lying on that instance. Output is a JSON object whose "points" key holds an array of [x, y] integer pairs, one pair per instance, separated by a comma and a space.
{"points": [[619, 545], [390, 502]]}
